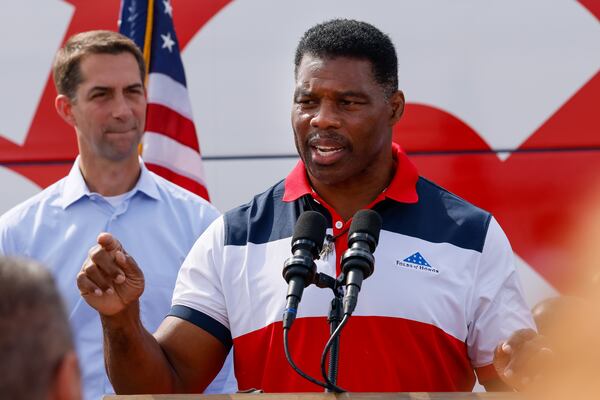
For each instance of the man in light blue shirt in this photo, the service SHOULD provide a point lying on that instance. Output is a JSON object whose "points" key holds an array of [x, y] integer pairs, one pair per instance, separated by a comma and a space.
{"points": [[99, 76]]}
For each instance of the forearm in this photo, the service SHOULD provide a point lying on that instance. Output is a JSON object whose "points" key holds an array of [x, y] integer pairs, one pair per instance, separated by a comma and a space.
{"points": [[496, 385], [135, 362]]}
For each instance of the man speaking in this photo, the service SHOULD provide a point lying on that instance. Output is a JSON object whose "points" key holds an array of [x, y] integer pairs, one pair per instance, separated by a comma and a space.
{"points": [[444, 292]]}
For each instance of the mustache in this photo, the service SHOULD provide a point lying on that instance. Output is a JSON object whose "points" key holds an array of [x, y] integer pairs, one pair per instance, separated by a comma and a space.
{"points": [[333, 136]]}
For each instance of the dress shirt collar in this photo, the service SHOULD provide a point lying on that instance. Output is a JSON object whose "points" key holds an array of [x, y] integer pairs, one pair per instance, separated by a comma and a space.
{"points": [[402, 188], [75, 186]]}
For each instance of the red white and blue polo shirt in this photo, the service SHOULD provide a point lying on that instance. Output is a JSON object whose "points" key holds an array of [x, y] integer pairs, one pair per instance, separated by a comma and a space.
{"points": [[444, 292]]}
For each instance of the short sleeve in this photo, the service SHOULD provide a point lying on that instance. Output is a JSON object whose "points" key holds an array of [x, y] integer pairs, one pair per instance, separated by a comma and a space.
{"points": [[198, 296], [7, 235], [498, 307]]}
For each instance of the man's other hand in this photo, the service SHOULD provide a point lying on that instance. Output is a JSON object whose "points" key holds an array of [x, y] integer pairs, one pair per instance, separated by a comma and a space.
{"points": [[110, 279], [523, 358]]}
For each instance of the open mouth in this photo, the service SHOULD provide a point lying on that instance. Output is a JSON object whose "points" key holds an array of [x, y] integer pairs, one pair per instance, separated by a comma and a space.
{"points": [[327, 150], [327, 154]]}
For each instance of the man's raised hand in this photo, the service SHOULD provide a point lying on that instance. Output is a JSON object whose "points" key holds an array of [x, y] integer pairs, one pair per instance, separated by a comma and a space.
{"points": [[110, 279]]}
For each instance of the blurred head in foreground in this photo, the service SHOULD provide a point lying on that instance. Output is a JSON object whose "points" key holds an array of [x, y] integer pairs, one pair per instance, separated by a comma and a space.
{"points": [[38, 360], [551, 312], [571, 324]]}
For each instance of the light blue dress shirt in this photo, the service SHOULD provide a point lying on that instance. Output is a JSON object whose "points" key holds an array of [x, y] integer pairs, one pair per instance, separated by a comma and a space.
{"points": [[157, 223]]}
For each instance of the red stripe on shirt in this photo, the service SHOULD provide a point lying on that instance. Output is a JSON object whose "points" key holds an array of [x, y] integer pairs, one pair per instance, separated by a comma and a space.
{"points": [[377, 354]]}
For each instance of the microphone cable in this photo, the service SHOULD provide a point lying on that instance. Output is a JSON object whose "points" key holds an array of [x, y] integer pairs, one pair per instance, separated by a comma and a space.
{"points": [[288, 356]]}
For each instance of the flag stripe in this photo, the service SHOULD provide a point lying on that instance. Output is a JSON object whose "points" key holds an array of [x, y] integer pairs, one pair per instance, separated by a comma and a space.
{"points": [[164, 90], [162, 150], [163, 120], [180, 180]]}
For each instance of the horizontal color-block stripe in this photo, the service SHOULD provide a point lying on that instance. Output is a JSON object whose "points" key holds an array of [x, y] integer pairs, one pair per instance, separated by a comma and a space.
{"points": [[393, 290], [161, 150], [184, 182], [203, 321], [168, 122], [263, 210], [376, 355], [438, 217], [165, 90]]}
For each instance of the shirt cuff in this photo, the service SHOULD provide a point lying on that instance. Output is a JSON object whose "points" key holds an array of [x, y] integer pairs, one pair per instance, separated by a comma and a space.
{"points": [[205, 322]]}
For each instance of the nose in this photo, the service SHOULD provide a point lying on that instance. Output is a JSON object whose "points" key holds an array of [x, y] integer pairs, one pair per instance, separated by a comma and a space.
{"points": [[121, 107], [326, 117]]}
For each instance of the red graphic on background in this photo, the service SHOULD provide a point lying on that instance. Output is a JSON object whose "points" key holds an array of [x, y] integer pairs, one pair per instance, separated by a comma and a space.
{"points": [[535, 194], [50, 140]]}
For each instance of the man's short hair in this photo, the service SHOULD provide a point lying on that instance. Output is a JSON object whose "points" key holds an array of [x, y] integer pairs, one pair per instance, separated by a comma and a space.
{"points": [[66, 70], [353, 39], [34, 330]]}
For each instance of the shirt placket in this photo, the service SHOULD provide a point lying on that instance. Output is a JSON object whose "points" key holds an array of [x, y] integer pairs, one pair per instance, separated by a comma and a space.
{"points": [[111, 212], [340, 228]]}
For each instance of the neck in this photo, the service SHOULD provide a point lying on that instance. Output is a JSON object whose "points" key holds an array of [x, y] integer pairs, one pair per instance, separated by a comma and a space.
{"points": [[109, 178], [347, 198]]}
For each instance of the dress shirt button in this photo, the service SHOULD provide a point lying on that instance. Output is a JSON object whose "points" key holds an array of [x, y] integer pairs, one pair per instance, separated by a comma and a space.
{"points": [[339, 224]]}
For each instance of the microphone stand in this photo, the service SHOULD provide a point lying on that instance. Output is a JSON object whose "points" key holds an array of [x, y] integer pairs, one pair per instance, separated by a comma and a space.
{"points": [[334, 318]]}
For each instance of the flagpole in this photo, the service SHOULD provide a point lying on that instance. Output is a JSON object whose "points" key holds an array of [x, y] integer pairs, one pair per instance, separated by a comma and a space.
{"points": [[147, 50], [148, 36]]}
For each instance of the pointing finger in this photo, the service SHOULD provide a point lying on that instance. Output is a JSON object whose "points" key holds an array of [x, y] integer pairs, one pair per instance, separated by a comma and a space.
{"points": [[108, 242]]}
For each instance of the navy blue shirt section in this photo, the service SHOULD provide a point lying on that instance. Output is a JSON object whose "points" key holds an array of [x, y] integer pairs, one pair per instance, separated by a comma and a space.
{"points": [[439, 217], [247, 223]]}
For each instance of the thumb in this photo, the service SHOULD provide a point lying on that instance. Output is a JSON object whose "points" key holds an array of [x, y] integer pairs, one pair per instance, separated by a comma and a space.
{"points": [[127, 263], [108, 242]]}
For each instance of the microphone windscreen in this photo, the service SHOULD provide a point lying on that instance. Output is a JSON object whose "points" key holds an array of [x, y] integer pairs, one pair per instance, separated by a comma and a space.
{"points": [[311, 225], [366, 221]]}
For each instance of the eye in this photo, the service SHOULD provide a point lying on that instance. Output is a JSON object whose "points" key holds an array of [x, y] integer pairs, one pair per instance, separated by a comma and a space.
{"points": [[97, 95], [351, 103], [306, 102], [135, 90]]}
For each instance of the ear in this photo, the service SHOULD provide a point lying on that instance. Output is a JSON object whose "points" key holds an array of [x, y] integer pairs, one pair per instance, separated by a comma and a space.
{"points": [[64, 107], [397, 104], [67, 379]]}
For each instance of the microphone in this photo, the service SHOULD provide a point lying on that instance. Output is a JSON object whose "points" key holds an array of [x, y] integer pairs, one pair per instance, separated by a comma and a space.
{"points": [[300, 269], [358, 262]]}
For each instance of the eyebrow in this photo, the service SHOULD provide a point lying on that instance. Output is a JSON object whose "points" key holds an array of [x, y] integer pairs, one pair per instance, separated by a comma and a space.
{"points": [[301, 92], [108, 88], [135, 86], [353, 94], [349, 93]]}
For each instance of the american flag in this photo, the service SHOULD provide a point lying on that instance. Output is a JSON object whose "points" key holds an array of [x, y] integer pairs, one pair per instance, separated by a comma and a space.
{"points": [[170, 145]]}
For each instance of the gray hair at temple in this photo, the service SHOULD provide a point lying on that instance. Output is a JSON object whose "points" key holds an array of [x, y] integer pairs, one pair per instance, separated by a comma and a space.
{"points": [[37, 358]]}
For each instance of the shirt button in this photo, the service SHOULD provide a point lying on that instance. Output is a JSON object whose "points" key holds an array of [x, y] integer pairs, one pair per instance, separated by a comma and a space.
{"points": [[339, 224]]}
